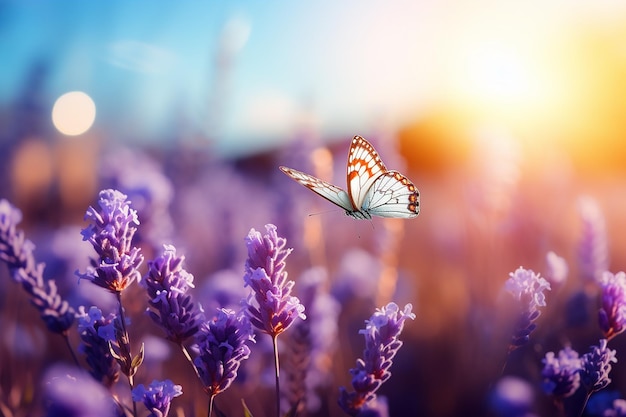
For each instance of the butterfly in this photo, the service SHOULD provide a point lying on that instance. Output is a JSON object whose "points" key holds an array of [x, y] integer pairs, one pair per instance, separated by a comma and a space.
{"points": [[372, 189]]}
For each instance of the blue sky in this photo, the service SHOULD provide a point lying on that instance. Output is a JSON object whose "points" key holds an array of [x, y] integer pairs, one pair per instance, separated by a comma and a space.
{"points": [[147, 63], [150, 66]]}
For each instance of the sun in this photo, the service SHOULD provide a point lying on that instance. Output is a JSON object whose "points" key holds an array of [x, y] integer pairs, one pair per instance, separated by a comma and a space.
{"points": [[73, 113]]}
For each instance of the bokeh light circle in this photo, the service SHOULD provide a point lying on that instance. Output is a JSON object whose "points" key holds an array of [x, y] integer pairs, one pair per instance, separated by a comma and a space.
{"points": [[73, 113]]}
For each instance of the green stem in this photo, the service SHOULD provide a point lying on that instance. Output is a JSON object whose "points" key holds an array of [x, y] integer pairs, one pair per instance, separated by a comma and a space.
{"points": [[506, 361], [582, 409], [69, 346], [190, 360], [121, 407], [558, 403], [277, 367], [122, 318], [130, 383], [211, 398], [127, 337]]}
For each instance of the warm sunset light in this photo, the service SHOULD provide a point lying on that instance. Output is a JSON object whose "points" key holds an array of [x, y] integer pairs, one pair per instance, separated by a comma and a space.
{"points": [[500, 75], [505, 78], [257, 168], [73, 113]]}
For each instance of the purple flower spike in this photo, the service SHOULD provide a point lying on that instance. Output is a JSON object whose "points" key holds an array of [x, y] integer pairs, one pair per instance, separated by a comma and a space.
{"points": [[111, 233], [222, 347], [593, 253], [557, 270], [612, 314], [18, 253], [70, 392], [512, 397], [596, 366], [527, 287], [96, 331], [157, 397], [311, 344], [270, 307], [381, 345], [167, 284], [560, 374]]}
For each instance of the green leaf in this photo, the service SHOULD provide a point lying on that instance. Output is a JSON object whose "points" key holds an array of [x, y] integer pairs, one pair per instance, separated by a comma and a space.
{"points": [[138, 359], [115, 355], [246, 410]]}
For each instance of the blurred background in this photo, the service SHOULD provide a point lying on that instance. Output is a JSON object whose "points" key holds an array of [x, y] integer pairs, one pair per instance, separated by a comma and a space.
{"points": [[504, 115]]}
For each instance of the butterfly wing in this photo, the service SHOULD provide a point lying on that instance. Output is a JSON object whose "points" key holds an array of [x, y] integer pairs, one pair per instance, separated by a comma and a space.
{"points": [[330, 192], [372, 190], [392, 195], [364, 168]]}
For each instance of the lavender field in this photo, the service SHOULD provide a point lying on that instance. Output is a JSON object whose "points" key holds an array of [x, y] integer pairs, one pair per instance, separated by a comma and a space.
{"points": [[161, 264]]}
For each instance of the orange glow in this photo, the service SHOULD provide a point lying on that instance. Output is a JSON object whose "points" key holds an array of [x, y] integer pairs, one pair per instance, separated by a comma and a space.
{"points": [[494, 76], [551, 84], [32, 171]]}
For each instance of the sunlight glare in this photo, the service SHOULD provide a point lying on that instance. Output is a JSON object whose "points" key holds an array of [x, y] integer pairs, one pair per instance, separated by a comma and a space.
{"points": [[73, 113], [496, 75], [500, 74]]}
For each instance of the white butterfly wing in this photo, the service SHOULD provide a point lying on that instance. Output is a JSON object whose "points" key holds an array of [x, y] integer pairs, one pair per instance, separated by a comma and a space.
{"points": [[392, 195], [324, 189], [364, 168], [372, 190]]}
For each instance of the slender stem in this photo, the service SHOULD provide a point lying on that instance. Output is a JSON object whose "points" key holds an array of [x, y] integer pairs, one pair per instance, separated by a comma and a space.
{"points": [[558, 403], [130, 383], [188, 356], [505, 363], [582, 409], [122, 318], [211, 398], [121, 407], [193, 365], [277, 368], [127, 337], [69, 346]]}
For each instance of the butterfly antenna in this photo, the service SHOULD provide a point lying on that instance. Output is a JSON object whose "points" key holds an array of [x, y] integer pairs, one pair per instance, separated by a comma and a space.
{"points": [[321, 212]]}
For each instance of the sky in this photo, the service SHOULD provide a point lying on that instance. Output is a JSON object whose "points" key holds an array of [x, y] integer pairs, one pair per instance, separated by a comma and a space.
{"points": [[246, 74]]}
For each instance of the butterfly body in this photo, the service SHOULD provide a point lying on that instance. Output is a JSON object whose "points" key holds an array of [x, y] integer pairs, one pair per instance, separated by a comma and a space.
{"points": [[372, 189]]}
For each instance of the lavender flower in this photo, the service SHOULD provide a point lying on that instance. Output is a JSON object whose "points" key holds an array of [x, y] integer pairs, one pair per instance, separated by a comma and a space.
{"points": [[527, 287], [69, 392], [593, 253], [357, 276], [512, 397], [222, 289], [167, 284], [381, 345], [612, 313], [222, 347], [96, 331], [142, 179], [595, 367], [111, 233], [557, 270], [618, 409], [311, 343], [157, 397], [378, 407], [18, 253], [270, 307], [560, 374]]}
